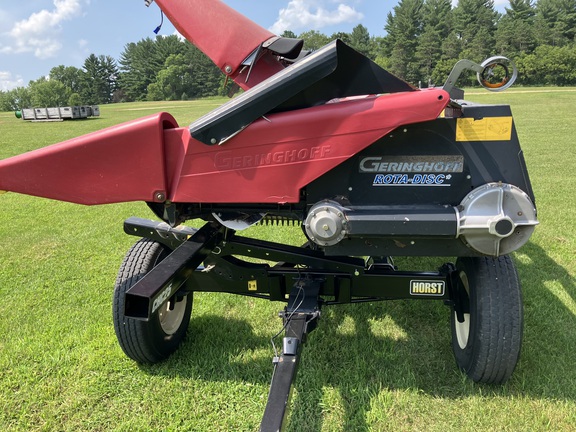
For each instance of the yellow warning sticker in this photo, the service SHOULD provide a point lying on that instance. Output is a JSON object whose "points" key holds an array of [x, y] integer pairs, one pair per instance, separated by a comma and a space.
{"points": [[485, 129], [252, 285]]}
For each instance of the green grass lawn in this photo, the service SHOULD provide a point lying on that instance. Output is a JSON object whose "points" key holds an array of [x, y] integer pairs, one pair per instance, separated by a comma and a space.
{"points": [[381, 366]]}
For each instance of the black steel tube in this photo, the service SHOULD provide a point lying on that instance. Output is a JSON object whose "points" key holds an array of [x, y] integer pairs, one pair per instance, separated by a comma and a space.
{"points": [[150, 292], [404, 221]]}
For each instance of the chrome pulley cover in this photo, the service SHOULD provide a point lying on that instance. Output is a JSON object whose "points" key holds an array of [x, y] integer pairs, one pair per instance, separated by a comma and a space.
{"points": [[326, 223], [496, 219]]}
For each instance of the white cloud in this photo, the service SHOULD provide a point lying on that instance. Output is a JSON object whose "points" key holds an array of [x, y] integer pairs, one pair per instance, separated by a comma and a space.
{"points": [[39, 33], [311, 14], [179, 35], [9, 82]]}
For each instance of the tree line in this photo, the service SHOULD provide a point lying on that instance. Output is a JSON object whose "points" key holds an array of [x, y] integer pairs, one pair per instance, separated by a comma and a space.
{"points": [[424, 39]]}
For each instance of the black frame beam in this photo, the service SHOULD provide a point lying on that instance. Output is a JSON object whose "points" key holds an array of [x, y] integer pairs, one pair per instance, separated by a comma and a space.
{"points": [[302, 277], [165, 280]]}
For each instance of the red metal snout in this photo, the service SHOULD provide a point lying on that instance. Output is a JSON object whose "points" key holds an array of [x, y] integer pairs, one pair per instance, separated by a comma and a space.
{"points": [[118, 164]]}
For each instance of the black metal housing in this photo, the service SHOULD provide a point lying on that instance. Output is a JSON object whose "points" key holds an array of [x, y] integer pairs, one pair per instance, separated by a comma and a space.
{"points": [[335, 70]]}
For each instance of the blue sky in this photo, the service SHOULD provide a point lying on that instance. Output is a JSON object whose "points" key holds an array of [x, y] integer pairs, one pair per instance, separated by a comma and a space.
{"points": [[36, 35]]}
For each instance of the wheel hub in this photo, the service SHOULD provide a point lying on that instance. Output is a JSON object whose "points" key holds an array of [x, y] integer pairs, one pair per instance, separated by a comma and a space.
{"points": [[171, 315]]}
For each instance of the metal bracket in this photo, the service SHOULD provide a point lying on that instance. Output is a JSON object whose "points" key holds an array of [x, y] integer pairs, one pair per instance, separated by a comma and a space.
{"points": [[485, 74], [459, 299], [161, 232], [461, 66]]}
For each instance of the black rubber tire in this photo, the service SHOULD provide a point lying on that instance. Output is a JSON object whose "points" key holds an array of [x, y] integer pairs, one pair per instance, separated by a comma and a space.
{"points": [[152, 341], [487, 345]]}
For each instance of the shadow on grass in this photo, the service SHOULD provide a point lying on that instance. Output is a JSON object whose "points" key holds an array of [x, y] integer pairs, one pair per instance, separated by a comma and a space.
{"points": [[362, 364], [547, 368], [218, 349], [360, 350]]}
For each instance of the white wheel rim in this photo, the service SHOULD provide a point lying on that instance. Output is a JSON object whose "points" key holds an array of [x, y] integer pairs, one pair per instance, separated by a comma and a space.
{"points": [[171, 319], [463, 331], [463, 328]]}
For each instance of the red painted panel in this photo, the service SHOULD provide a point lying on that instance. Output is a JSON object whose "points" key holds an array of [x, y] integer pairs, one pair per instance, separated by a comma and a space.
{"points": [[272, 159], [268, 162], [223, 34], [117, 164]]}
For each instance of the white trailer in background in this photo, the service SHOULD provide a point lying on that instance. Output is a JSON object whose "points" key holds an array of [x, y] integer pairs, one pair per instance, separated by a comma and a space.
{"points": [[59, 113]]}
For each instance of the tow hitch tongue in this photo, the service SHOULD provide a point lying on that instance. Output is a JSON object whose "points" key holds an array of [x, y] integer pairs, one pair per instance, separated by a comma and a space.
{"points": [[300, 317]]}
